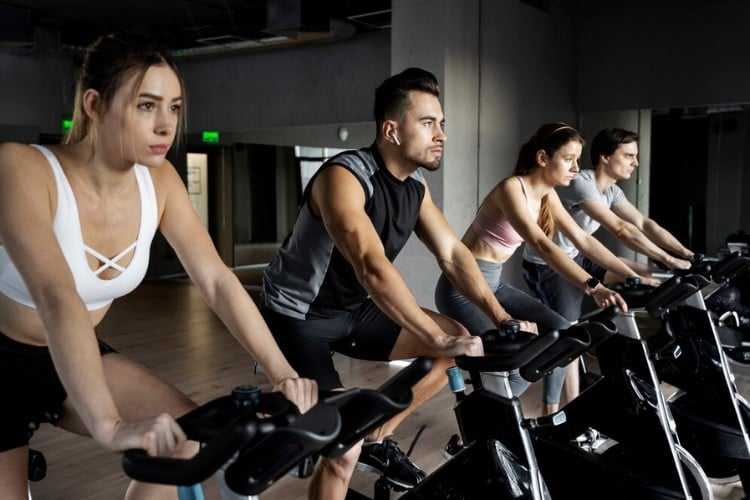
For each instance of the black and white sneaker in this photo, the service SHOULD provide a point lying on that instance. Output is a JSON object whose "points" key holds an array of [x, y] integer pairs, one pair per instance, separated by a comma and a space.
{"points": [[389, 461]]}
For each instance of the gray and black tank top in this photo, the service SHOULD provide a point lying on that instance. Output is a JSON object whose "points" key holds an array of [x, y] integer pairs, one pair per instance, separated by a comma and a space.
{"points": [[310, 277]]}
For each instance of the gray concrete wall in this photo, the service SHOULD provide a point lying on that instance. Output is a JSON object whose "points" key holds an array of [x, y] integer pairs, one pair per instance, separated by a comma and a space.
{"points": [[315, 84], [500, 84]]}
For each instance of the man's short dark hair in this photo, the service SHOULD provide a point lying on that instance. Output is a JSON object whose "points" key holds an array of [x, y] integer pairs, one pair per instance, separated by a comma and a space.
{"points": [[608, 140], [393, 94]]}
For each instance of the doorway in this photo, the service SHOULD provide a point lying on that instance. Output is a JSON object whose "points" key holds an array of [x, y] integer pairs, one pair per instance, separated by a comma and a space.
{"points": [[679, 156]]}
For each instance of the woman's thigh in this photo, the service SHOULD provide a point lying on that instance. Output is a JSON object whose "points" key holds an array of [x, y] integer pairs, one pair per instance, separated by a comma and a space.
{"points": [[454, 305], [138, 394]]}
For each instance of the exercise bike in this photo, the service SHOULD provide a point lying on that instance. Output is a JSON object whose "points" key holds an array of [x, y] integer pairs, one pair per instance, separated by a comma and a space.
{"points": [[637, 453], [499, 459], [729, 305], [711, 417], [250, 439]]}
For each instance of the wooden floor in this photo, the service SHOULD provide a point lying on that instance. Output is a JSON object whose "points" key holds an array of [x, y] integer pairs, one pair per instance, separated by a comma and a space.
{"points": [[168, 328]]}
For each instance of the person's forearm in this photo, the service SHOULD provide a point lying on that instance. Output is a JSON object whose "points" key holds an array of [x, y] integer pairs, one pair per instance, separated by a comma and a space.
{"points": [[238, 312], [562, 264], [637, 241], [665, 239], [391, 294], [597, 252], [75, 353]]}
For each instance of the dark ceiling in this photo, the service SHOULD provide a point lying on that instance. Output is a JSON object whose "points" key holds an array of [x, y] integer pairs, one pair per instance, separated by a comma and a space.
{"points": [[189, 27]]}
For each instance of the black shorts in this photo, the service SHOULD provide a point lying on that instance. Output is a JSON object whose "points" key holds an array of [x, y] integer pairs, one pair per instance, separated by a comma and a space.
{"points": [[309, 343], [30, 390]]}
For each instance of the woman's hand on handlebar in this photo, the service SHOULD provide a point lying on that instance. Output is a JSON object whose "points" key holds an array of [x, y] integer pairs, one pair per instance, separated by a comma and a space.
{"points": [[604, 297], [158, 436], [303, 392], [466, 345], [528, 326]]}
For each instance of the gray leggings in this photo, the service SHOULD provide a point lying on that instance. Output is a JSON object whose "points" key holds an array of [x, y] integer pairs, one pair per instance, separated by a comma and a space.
{"points": [[519, 304]]}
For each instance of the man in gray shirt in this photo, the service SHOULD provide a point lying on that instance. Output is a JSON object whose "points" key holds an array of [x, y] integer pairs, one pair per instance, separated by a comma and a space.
{"points": [[594, 199]]}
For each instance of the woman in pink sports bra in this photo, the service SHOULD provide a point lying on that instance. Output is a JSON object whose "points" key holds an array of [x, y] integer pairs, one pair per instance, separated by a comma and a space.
{"points": [[525, 208], [76, 224]]}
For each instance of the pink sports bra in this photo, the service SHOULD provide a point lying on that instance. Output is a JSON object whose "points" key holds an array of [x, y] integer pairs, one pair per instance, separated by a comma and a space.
{"points": [[94, 291], [496, 231]]}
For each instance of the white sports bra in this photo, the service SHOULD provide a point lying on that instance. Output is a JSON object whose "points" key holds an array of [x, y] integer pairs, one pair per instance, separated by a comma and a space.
{"points": [[94, 291]]}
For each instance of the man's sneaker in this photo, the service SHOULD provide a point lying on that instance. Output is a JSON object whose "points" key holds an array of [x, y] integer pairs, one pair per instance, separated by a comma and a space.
{"points": [[389, 461], [453, 447]]}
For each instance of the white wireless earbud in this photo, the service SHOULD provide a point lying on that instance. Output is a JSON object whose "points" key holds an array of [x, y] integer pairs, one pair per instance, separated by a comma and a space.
{"points": [[395, 138]]}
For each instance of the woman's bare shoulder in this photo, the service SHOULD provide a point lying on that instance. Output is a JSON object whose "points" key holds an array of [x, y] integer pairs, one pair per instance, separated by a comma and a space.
{"points": [[22, 159], [504, 188], [14, 149]]}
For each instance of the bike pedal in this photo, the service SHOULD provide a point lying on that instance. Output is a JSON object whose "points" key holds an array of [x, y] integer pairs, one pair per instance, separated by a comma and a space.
{"points": [[37, 465], [552, 420]]}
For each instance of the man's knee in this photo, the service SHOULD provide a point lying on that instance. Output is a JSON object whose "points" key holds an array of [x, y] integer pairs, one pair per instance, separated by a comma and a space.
{"points": [[343, 466]]}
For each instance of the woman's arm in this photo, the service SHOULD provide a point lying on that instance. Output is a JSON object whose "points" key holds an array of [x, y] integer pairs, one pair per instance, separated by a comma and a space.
{"points": [[222, 290], [27, 204], [511, 200], [457, 262]]}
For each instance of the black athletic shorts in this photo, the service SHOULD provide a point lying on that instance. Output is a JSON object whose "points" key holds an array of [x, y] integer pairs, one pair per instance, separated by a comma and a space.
{"points": [[30, 390], [309, 343]]}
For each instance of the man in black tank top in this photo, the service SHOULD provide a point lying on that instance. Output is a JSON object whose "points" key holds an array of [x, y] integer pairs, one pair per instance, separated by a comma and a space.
{"points": [[333, 285]]}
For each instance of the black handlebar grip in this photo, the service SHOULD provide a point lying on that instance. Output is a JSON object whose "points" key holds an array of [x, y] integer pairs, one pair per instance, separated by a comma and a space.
{"points": [[732, 266], [177, 471], [406, 378]]}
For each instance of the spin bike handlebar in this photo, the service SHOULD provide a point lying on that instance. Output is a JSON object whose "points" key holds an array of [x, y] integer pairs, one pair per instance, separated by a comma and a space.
{"points": [[722, 271], [264, 432], [364, 410], [536, 355], [682, 284], [730, 267], [657, 300]]}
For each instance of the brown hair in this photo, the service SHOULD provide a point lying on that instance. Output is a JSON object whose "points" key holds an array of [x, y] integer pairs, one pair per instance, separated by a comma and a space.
{"points": [[608, 140], [392, 96], [550, 137], [107, 64]]}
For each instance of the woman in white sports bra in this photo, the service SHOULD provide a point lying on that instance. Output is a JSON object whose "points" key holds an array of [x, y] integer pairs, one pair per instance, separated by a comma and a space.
{"points": [[525, 208], [76, 224]]}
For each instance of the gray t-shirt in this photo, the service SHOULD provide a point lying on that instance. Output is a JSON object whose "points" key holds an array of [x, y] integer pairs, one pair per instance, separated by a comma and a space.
{"points": [[582, 188]]}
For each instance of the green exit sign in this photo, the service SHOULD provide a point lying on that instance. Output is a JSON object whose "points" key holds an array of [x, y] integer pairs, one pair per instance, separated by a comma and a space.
{"points": [[211, 136]]}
